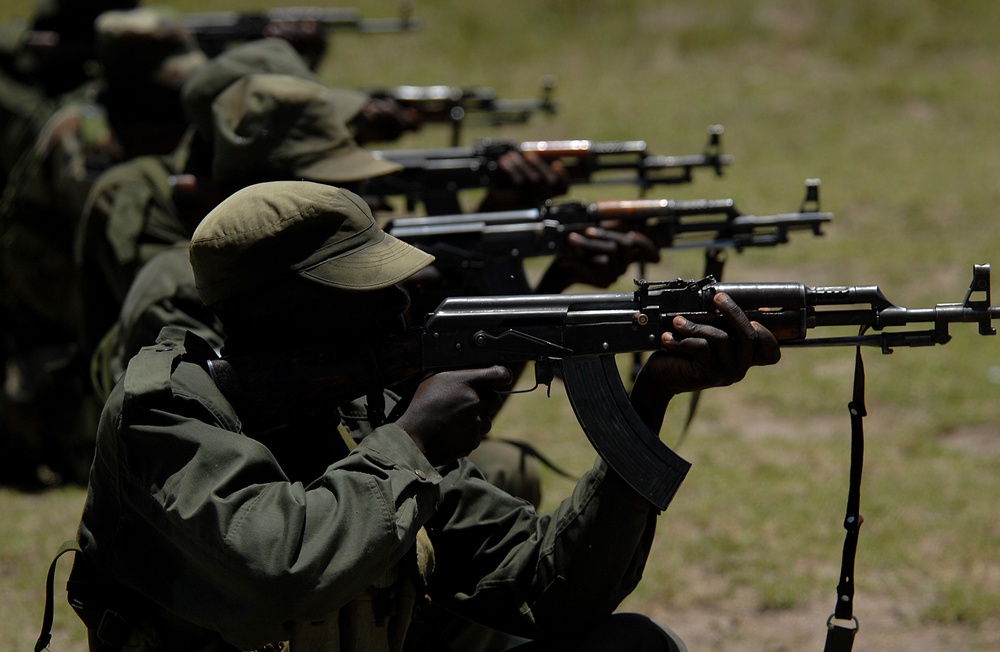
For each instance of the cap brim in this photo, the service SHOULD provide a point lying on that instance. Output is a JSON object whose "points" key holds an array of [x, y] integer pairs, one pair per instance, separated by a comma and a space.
{"points": [[343, 167], [376, 266]]}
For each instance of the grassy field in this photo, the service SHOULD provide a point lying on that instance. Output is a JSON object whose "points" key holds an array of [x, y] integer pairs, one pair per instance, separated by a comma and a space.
{"points": [[894, 105]]}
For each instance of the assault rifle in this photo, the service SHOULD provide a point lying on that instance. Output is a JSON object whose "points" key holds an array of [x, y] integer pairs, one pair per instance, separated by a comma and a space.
{"points": [[483, 253], [306, 28], [454, 105], [577, 336], [437, 174]]}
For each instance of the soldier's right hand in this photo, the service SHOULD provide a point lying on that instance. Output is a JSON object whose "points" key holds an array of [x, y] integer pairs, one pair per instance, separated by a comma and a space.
{"points": [[452, 411], [528, 181]]}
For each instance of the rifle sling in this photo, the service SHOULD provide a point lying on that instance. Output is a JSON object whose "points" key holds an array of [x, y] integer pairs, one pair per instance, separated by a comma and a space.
{"points": [[840, 637]]}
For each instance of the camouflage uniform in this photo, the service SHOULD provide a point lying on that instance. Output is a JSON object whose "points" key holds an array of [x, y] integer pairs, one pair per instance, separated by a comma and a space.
{"points": [[41, 60], [45, 382], [41, 296]]}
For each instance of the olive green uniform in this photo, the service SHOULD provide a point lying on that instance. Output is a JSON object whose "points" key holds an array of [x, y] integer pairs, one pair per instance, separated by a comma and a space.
{"points": [[129, 217], [162, 294], [176, 485]]}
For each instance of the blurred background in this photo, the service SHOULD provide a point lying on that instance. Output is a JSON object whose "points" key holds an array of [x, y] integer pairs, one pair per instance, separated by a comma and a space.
{"points": [[894, 106]]}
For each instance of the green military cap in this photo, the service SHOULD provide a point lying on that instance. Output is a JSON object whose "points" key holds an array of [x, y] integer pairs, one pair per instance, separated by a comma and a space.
{"points": [[282, 127], [148, 45], [270, 55], [321, 233]]}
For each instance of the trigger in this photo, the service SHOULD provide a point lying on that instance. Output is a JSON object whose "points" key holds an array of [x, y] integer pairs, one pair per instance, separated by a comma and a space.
{"points": [[544, 373]]}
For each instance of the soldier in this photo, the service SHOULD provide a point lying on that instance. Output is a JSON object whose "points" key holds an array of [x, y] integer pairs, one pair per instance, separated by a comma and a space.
{"points": [[145, 55], [271, 532], [266, 129], [266, 126], [40, 61], [247, 128]]}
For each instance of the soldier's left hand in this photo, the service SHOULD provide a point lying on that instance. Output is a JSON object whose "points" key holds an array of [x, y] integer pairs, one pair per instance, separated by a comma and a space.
{"points": [[697, 356]]}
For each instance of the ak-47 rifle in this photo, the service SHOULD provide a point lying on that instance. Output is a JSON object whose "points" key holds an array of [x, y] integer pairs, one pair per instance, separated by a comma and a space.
{"points": [[306, 28], [455, 105], [577, 337], [437, 174], [484, 253]]}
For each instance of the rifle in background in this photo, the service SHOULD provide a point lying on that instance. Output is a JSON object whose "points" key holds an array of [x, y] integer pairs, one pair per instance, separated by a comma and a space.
{"points": [[306, 28], [484, 253], [455, 105], [438, 174]]}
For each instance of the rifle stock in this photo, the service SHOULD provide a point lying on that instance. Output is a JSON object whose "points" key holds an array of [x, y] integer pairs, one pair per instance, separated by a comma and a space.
{"points": [[578, 335]]}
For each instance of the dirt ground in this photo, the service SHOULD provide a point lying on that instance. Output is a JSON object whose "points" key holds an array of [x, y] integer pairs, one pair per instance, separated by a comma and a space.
{"points": [[884, 626]]}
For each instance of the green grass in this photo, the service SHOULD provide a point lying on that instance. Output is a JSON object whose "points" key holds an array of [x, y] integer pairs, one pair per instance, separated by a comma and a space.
{"points": [[894, 106]]}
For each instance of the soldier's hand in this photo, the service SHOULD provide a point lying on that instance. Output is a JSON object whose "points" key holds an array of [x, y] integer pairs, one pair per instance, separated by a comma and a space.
{"points": [[452, 411], [383, 120], [698, 356], [597, 256], [528, 180]]}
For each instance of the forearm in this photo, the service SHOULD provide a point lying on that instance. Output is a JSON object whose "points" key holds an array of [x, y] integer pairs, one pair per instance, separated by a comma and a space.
{"points": [[531, 574], [590, 565]]}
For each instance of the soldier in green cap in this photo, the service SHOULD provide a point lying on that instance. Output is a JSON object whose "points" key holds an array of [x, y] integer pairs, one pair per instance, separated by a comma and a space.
{"points": [[277, 124], [247, 128], [208, 528], [262, 127]]}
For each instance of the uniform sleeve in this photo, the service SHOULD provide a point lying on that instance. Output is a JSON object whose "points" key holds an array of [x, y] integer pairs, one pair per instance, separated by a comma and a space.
{"points": [[211, 528], [126, 220], [501, 564]]}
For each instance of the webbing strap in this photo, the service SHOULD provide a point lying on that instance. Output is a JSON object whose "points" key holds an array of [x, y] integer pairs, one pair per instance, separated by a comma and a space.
{"points": [[45, 636], [840, 637]]}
